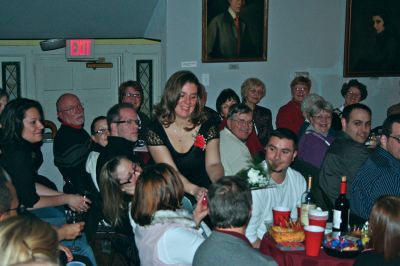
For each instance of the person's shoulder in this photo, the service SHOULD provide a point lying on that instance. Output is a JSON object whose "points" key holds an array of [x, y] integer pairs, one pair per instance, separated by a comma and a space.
{"points": [[262, 109], [70, 134], [15, 149], [155, 125], [285, 109], [295, 176], [285, 106], [344, 144]]}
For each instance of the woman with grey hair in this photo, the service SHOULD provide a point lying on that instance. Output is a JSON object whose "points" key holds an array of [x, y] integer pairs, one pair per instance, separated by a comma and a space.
{"points": [[306, 106], [316, 139]]}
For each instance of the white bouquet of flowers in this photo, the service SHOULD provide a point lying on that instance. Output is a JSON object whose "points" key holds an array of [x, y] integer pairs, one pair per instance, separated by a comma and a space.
{"points": [[256, 174]]}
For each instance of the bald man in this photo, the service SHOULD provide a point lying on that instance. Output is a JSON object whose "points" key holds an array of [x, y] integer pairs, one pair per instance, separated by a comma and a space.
{"points": [[71, 149]]}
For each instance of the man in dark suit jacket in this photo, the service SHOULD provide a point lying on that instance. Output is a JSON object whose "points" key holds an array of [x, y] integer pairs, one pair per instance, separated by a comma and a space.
{"points": [[229, 203], [228, 34]]}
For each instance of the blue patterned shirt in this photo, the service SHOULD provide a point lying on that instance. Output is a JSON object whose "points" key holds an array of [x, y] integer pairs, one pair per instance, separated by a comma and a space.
{"points": [[378, 176]]}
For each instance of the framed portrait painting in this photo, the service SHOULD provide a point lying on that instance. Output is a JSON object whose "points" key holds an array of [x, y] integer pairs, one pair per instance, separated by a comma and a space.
{"points": [[372, 41], [234, 30]]}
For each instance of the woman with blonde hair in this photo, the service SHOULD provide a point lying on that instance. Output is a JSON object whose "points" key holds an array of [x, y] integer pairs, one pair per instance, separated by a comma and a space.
{"points": [[165, 234], [253, 90], [27, 239], [384, 232]]}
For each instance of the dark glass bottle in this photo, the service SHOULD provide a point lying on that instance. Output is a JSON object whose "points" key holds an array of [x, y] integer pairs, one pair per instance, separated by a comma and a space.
{"points": [[341, 211]]}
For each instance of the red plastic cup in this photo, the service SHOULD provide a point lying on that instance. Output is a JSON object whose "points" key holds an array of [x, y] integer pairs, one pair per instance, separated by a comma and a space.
{"points": [[281, 215], [314, 235], [318, 218]]}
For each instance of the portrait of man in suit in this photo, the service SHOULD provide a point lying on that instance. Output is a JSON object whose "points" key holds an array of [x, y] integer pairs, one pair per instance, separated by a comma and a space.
{"points": [[236, 32]]}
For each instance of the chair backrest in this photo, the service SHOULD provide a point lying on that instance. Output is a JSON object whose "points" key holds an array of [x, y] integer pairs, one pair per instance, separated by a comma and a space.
{"points": [[49, 124]]}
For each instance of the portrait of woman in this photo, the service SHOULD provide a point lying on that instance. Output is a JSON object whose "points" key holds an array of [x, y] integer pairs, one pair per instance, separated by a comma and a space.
{"points": [[381, 54], [372, 38]]}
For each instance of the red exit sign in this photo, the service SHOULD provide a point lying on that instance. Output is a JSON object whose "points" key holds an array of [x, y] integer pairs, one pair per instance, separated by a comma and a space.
{"points": [[80, 48]]}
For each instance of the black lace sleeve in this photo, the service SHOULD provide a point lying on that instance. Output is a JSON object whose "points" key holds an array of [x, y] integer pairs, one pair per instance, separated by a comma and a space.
{"points": [[154, 136], [211, 130]]}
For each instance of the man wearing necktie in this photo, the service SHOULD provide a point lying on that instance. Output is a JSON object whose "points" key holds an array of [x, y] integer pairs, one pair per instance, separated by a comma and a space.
{"points": [[227, 34]]}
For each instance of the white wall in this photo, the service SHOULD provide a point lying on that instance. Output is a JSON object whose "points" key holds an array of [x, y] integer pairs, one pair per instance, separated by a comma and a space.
{"points": [[305, 35]]}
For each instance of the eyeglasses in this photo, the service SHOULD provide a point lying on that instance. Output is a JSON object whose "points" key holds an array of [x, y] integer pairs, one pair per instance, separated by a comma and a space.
{"points": [[256, 92], [300, 88], [321, 117], [133, 95], [353, 94], [100, 132], [21, 209], [78, 107], [130, 122], [134, 168], [396, 138], [243, 123]]}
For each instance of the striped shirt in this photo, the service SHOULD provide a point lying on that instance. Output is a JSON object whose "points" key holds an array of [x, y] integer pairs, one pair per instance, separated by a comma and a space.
{"points": [[378, 176]]}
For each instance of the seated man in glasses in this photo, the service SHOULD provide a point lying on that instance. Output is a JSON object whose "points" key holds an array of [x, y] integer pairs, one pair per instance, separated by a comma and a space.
{"points": [[235, 155], [380, 173], [124, 125]]}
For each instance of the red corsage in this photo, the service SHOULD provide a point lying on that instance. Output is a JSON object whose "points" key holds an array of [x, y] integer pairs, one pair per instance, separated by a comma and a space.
{"points": [[200, 142]]}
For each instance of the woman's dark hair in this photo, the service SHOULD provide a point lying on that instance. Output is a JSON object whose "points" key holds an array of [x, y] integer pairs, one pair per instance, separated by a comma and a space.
{"points": [[387, 22], [354, 83], [157, 188], [165, 110], [225, 95], [12, 117], [93, 125], [384, 226], [129, 83], [3, 93]]}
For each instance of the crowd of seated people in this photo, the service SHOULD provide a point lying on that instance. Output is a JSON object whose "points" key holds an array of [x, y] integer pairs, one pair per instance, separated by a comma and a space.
{"points": [[147, 176]]}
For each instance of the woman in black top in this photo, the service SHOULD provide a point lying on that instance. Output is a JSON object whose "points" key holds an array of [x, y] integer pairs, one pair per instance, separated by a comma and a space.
{"points": [[22, 130]]}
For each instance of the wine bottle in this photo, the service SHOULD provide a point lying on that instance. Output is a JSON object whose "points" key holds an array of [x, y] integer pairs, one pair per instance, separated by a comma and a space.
{"points": [[307, 202], [341, 212]]}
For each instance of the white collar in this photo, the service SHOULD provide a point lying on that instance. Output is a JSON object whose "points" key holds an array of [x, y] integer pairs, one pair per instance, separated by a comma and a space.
{"points": [[232, 13]]}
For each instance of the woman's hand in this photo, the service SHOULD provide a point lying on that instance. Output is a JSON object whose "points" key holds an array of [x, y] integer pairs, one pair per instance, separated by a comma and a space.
{"points": [[67, 252], [129, 188], [70, 231], [198, 192], [201, 209], [78, 203]]}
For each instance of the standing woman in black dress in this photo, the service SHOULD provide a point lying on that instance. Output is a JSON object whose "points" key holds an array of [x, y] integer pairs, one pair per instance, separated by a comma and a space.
{"points": [[181, 137]]}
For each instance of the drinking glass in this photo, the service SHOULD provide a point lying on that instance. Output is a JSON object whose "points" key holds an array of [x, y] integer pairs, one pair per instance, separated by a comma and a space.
{"points": [[73, 218]]}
